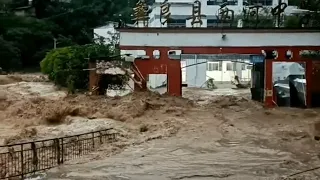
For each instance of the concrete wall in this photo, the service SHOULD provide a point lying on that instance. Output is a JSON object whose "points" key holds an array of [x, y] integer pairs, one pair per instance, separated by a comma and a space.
{"points": [[196, 74], [204, 38], [214, 39]]}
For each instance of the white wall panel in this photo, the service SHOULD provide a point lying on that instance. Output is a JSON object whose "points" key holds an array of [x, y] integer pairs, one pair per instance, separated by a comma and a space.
{"points": [[214, 39], [196, 74]]}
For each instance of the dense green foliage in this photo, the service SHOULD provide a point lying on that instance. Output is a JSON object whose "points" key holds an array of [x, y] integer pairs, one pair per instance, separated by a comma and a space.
{"points": [[65, 66], [9, 54], [25, 40]]}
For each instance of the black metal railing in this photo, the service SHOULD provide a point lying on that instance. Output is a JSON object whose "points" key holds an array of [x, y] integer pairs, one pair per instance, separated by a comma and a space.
{"points": [[19, 160]]}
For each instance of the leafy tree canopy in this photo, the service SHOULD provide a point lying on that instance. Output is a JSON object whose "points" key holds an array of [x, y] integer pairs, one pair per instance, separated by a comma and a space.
{"points": [[66, 22], [65, 66]]}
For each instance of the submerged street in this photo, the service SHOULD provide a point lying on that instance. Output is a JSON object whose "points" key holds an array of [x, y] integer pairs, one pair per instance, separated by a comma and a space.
{"points": [[236, 140]]}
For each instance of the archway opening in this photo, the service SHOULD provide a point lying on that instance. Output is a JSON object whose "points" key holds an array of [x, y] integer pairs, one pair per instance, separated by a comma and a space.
{"points": [[158, 83], [289, 83]]}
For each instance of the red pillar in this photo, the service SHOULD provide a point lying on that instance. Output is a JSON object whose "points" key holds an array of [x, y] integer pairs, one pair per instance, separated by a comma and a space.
{"points": [[163, 65], [268, 86], [309, 80], [174, 78]]}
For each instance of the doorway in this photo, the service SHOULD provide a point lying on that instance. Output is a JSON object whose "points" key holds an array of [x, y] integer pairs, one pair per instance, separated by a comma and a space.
{"points": [[257, 82], [289, 83], [158, 83]]}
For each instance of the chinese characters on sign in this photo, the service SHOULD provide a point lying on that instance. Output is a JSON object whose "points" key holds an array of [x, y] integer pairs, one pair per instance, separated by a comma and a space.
{"points": [[196, 14], [257, 15], [225, 15], [165, 12], [251, 14], [140, 13], [278, 12]]}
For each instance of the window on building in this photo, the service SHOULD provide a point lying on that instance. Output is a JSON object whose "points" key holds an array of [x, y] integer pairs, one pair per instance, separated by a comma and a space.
{"points": [[212, 22], [218, 2], [261, 2], [215, 23], [234, 66], [293, 3], [176, 23], [213, 66], [230, 66], [233, 2], [220, 65], [243, 67]]}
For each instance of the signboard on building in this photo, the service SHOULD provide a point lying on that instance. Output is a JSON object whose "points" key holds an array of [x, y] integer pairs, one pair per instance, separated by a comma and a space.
{"points": [[256, 59]]}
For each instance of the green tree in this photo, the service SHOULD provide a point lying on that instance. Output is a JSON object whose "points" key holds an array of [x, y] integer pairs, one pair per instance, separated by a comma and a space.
{"points": [[65, 65], [69, 22], [312, 18], [31, 36], [10, 55]]}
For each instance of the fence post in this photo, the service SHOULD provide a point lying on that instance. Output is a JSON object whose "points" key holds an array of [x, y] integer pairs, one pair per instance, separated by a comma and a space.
{"points": [[22, 165], [33, 163], [79, 144], [92, 140], [58, 150], [100, 137], [34, 157], [62, 149]]}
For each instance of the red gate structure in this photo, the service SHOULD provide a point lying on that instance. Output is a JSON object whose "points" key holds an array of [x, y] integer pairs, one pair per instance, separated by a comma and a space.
{"points": [[214, 41]]}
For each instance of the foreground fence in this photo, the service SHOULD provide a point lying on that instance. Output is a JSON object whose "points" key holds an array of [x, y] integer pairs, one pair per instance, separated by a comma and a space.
{"points": [[18, 160]]}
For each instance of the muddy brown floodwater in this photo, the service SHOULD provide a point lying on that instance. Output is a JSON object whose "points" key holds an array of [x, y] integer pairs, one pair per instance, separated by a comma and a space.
{"points": [[224, 137], [206, 135]]}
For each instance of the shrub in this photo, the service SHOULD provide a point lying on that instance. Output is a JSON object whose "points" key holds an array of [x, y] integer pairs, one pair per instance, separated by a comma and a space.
{"points": [[64, 66]]}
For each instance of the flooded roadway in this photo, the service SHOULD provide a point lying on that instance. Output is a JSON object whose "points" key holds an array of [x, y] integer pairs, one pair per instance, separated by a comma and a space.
{"points": [[207, 148], [192, 158]]}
